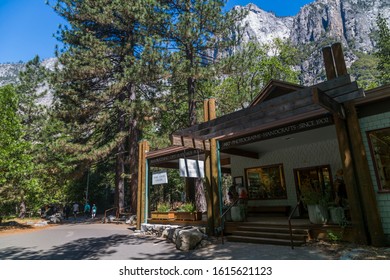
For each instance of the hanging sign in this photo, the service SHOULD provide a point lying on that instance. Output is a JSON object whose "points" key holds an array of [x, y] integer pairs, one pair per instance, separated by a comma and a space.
{"points": [[191, 168], [160, 178]]}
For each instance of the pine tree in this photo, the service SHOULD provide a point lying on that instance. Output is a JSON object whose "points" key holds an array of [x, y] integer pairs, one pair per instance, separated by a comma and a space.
{"points": [[31, 89], [248, 70], [383, 53], [17, 185], [197, 30], [106, 83]]}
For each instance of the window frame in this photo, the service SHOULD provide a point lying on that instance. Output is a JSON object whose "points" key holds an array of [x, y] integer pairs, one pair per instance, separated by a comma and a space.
{"points": [[374, 161]]}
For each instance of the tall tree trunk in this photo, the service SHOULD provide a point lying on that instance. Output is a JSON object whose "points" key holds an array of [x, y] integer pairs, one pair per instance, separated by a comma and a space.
{"points": [[194, 186], [120, 179], [120, 162], [133, 164]]}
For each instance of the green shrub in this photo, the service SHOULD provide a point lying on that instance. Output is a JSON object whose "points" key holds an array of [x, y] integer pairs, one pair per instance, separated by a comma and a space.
{"points": [[163, 207], [187, 207]]}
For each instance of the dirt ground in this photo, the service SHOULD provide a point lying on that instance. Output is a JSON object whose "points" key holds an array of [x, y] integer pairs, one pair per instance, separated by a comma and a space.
{"points": [[21, 225], [337, 250], [350, 251]]}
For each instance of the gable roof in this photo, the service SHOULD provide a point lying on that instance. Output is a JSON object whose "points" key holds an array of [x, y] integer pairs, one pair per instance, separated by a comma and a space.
{"points": [[273, 89]]}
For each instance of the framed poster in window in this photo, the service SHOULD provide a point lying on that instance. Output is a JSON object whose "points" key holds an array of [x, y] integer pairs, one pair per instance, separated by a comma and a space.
{"points": [[266, 182], [239, 180]]}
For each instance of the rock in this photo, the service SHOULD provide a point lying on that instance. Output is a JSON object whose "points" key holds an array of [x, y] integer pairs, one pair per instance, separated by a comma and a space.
{"points": [[132, 220], [188, 239], [54, 219]]}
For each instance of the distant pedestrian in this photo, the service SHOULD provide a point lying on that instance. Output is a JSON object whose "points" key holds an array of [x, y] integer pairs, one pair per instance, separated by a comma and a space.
{"points": [[67, 211], [87, 210], [75, 210], [94, 210]]}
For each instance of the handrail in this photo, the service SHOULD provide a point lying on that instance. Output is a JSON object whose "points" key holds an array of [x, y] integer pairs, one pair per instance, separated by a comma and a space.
{"points": [[289, 223], [222, 220]]}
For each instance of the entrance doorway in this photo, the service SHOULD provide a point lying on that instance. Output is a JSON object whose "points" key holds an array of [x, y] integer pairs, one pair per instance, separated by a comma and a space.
{"points": [[315, 178]]}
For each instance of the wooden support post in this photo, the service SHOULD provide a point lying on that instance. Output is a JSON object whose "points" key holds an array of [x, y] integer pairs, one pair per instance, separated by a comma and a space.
{"points": [[363, 207], [141, 195], [366, 189], [215, 182], [207, 166], [211, 172], [357, 217]]}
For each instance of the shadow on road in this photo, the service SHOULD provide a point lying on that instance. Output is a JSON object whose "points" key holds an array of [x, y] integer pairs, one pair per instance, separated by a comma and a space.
{"points": [[81, 249]]}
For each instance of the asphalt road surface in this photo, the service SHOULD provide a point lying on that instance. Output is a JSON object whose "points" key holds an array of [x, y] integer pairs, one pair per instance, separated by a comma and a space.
{"points": [[83, 241]]}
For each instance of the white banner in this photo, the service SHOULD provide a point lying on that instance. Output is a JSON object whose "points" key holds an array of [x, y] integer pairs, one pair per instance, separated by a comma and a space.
{"points": [[191, 168]]}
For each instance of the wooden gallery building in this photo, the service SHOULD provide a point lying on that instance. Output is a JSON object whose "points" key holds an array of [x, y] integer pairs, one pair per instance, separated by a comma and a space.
{"points": [[290, 136]]}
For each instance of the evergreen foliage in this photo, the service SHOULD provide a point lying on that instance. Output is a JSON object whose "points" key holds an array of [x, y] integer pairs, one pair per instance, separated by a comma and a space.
{"points": [[247, 71], [17, 184], [383, 53], [107, 81]]}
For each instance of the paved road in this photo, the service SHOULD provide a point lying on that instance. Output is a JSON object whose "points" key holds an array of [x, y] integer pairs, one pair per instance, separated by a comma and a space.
{"points": [[82, 241]]}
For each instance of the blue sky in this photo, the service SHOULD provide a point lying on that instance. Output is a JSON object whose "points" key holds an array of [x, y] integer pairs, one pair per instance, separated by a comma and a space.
{"points": [[27, 26]]}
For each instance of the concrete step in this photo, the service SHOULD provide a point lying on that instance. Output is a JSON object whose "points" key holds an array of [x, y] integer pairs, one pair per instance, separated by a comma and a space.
{"points": [[271, 235], [272, 229], [261, 240]]}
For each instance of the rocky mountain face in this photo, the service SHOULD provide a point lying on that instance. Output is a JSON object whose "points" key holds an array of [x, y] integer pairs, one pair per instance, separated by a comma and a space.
{"points": [[351, 22], [9, 73], [320, 23]]}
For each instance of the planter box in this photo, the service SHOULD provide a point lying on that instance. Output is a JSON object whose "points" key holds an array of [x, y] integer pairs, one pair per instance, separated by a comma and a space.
{"points": [[188, 216], [162, 215]]}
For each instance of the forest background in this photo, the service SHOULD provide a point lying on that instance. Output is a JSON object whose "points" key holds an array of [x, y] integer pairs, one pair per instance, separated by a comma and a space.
{"points": [[132, 70]]}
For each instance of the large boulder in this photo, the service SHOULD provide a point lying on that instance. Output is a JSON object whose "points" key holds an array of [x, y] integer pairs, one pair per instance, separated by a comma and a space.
{"points": [[188, 239]]}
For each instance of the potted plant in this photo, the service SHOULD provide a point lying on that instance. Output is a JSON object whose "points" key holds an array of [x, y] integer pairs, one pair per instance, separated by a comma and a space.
{"points": [[163, 212], [187, 212], [316, 201]]}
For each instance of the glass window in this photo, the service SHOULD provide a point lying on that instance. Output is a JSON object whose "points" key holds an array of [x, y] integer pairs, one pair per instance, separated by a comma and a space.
{"points": [[380, 151], [266, 182]]}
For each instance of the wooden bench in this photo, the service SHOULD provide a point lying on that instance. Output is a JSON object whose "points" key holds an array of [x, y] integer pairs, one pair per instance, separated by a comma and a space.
{"points": [[277, 209]]}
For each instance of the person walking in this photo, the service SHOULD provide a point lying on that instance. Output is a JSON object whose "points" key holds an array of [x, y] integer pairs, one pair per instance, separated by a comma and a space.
{"points": [[87, 210], [75, 210], [94, 210], [67, 211]]}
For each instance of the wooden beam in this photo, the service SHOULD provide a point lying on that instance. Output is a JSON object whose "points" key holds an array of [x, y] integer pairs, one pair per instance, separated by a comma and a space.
{"points": [[225, 161], [329, 63], [192, 143], [338, 58], [327, 102], [242, 153], [271, 110]]}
